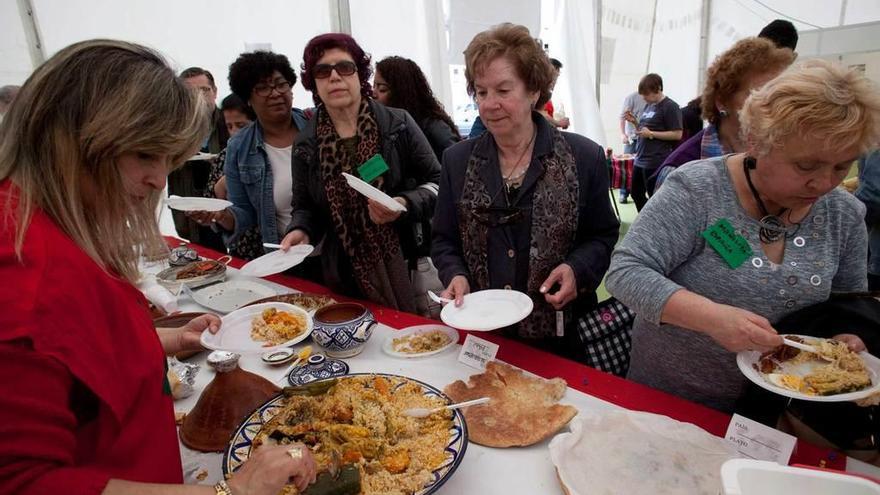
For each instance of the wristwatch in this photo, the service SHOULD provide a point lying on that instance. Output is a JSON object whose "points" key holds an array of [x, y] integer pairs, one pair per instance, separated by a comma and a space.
{"points": [[221, 488], [650, 134]]}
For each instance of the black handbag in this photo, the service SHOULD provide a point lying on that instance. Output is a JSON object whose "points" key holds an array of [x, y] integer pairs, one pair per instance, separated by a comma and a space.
{"points": [[605, 332]]}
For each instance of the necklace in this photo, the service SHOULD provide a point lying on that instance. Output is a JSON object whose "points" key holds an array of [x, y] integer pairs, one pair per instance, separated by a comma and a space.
{"points": [[511, 179], [772, 227]]}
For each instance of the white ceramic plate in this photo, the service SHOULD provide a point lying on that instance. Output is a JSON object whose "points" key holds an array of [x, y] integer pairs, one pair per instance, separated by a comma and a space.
{"points": [[231, 295], [388, 345], [746, 359], [235, 332], [277, 261], [193, 203], [488, 310], [373, 193]]}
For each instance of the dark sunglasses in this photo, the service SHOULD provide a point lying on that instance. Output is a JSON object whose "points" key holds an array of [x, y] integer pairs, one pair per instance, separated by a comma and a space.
{"points": [[494, 216], [344, 68]]}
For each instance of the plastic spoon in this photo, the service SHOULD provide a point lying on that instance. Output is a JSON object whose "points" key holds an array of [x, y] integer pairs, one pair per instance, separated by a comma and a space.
{"points": [[803, 347], [437, 299], [423, 412]]}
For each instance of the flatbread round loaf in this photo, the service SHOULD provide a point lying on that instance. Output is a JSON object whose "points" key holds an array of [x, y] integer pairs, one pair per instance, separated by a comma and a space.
{"points": [[523, 410]]}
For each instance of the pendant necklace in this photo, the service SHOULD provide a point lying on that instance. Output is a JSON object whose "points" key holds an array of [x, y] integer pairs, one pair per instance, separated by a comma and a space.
{"points": [[510, 179], [772, 227]]}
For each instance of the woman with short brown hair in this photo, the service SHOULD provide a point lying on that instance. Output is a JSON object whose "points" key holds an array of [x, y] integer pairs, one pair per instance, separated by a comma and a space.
{"points": [[524, 206]]}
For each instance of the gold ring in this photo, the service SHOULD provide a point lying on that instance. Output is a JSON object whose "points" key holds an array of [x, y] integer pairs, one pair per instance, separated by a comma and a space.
{"points": [[295, 453]]}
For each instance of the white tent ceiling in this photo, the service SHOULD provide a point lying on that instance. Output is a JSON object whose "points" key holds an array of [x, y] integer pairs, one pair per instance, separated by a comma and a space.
{"points": [[636, 36]]}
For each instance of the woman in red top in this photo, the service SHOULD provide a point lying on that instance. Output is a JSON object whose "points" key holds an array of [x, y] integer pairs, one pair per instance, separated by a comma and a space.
{"points": [[84, 154]]}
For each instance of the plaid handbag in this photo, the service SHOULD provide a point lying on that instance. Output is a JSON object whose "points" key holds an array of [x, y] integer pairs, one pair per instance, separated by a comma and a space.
{"points": [[605, 333]]}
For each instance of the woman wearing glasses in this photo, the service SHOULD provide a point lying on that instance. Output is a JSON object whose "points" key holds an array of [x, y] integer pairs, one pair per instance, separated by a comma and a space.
{"points": [[524, 206], [367, 249], [258, 158]]}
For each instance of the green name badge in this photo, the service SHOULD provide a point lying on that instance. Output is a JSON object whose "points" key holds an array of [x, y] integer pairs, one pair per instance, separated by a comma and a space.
{"points": [[732, 247], [372, 168]]}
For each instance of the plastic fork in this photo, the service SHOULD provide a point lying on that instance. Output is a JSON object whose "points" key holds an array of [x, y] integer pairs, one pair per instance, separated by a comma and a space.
{"points": [[423, 412]]}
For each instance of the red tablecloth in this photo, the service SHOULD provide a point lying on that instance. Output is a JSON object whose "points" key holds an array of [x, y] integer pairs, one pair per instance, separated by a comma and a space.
{"points": [[622, 172], [599, 384]]}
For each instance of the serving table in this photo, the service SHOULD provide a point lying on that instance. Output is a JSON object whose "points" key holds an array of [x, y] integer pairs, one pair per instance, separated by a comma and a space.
{"points": [[483, 470]]}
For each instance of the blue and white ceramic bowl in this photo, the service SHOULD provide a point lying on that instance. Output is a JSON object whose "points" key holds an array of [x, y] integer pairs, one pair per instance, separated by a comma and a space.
{"points": [[342, 329]]}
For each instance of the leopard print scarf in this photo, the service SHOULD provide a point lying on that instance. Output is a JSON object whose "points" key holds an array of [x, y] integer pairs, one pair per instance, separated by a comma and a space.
{"points": [[379, 267], [553, 228]]}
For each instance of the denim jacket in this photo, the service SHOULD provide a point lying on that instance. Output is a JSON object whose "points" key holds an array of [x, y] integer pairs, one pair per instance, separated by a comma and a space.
{"points": [[869, 193], [249, 181]]}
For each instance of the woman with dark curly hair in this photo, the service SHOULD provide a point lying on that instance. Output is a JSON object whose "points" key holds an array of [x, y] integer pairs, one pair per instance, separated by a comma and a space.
{"points": [[746, 66], [259, 179], [367, 249], [400, 83]]}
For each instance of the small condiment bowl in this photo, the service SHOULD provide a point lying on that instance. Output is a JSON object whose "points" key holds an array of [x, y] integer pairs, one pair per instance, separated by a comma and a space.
{"points": [[278, 356]]}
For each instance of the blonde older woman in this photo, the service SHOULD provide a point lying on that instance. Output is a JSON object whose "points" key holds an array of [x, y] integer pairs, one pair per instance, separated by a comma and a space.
{"points": [[794, 237], [84, 155], [524, 206]]}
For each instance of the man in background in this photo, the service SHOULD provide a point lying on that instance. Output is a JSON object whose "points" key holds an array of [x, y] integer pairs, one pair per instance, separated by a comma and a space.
{"points": [[633, 105], [192, 178], [201, 79], [782, 33]]}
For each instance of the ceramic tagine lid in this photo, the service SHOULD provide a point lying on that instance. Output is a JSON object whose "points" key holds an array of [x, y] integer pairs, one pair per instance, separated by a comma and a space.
{"points": [[226, 401]]}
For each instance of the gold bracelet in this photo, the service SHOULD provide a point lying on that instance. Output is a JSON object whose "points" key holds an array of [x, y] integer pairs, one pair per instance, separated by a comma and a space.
{"points": [[221, 488]]}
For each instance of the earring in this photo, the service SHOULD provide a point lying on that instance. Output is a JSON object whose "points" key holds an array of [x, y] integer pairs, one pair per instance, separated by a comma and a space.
{"points": [[751, 162], [722, 113]]}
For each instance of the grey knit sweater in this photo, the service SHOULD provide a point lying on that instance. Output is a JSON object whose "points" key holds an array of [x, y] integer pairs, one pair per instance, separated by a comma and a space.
{"points": [[664, 252]]}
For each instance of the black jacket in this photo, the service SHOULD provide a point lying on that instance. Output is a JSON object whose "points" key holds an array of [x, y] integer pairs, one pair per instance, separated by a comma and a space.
{"points": [[439, 135], [413, 174], [597, 225]]}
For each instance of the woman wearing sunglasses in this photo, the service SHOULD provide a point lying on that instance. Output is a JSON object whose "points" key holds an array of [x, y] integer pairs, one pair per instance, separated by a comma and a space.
{"points": [[257, 168], [524, 206], [367, 249]]}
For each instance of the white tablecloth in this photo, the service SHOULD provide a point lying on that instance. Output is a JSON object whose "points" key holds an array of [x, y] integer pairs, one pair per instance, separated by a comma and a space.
{"points": [[483, 470]]}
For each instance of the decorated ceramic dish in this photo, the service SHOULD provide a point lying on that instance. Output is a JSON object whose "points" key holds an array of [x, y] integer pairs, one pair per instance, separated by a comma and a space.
{"points": [[453, 451]]}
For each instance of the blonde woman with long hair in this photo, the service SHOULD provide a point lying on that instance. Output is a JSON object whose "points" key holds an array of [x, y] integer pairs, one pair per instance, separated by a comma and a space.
{"points": [[84, 154]]}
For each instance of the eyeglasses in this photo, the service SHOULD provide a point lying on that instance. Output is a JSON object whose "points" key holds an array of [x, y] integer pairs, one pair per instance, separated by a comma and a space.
{"points": [[494, 216], [266, 89], [344, 68]]}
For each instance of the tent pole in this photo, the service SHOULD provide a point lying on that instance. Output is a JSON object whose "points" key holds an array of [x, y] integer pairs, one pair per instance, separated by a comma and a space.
{"points": [[651, 39], [597, 12], [704, 43], [31, 32], [340, 16]]}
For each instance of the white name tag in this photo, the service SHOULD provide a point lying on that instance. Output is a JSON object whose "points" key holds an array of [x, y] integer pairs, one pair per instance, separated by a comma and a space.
{"points": [[757, 441], [476, 352]]}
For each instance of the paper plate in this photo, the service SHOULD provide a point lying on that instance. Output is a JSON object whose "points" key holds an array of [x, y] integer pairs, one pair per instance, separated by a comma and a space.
{"points": [[488, 310], [373, 193], [193, 203], [277, 261], [746, 359], [201, 156], [235, 331], [231, 295], [388, 345]]}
